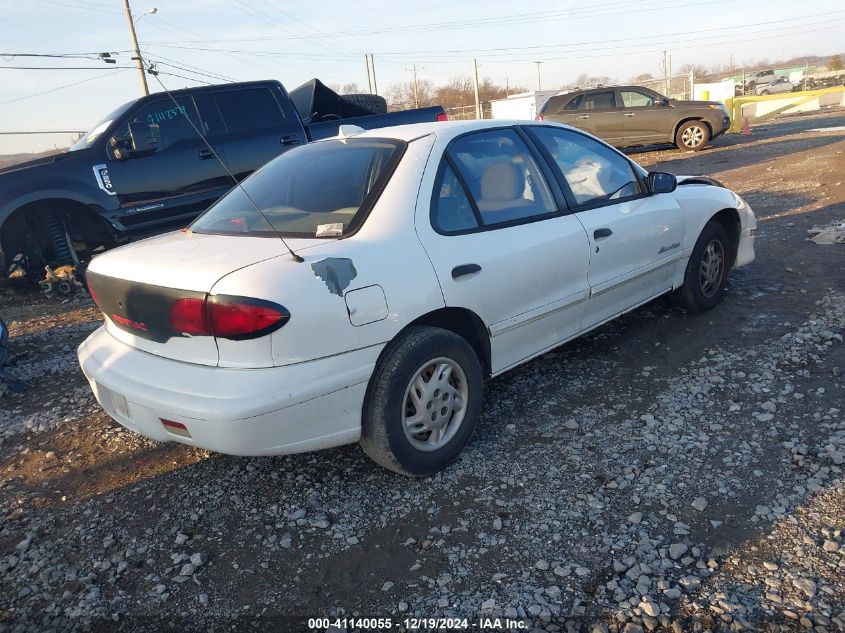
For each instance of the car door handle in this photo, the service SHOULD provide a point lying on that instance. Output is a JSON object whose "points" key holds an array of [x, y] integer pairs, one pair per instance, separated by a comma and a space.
{"points": [[465, 269], [628, 114], [584, 116], [600, 233], [291, 139], [206, 153]]}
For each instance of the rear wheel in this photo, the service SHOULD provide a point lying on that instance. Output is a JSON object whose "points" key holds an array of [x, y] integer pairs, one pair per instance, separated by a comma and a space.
{"points": [[692, 135], [423, 402], [706, 272]]}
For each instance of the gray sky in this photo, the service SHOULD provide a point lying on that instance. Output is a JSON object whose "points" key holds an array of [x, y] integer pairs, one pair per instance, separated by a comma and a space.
{"points": [[294, 42]]}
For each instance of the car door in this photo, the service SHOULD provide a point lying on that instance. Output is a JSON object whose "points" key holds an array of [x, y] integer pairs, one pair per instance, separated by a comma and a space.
{"points": [[599, 114], [252, 124], [644, 116], [176, 181], [503, 244], [635, 238]]}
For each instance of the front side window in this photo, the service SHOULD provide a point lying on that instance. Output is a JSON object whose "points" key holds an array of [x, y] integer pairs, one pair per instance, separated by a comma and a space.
{"points": [[594, 172], [503, 178], [636, 99], [323, 189], [250, 109], [599, 101], [170, 122]]}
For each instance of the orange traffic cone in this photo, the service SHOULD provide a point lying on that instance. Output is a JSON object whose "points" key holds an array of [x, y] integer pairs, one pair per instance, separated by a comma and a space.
{"points": [[746, 129]]}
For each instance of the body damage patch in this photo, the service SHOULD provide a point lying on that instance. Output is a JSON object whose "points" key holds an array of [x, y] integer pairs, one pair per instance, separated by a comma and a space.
{"points": [[336, 272]]}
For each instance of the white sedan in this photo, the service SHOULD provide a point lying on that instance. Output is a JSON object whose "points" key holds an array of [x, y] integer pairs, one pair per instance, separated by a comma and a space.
{"points": [[427, 258]]}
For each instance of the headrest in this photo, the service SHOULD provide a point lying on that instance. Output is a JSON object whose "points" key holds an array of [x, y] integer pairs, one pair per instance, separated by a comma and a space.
{"points": [[500, 182]]}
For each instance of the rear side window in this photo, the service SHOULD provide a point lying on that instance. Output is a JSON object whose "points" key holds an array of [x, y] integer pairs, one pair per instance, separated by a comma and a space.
{"points": [[323, 189], [505, 183], [452, 208], [250, 109], [599, 100], [575, 103]]}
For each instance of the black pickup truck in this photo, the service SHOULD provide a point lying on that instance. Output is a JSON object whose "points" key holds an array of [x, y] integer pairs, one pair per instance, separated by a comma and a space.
{"points": [[144, 169]]}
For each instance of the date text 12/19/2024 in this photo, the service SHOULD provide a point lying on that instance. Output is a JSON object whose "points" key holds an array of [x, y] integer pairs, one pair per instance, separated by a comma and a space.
{"points": [[417, 624]]}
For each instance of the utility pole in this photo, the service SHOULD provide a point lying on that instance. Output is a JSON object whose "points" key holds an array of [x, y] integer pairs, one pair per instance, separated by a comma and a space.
{"points": [[369, 79], [478, 113], [373, 66], [539, 83], [665, 73], [416, 92], [138, 60]]}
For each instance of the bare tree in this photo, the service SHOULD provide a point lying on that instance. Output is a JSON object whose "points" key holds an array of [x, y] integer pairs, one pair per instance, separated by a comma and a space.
{"points": [[697, 69], [589, 81], [642, 77]]}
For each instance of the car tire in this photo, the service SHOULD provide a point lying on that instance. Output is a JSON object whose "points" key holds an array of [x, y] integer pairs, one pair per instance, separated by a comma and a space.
{"points": [[764, 93], [394, 434], [692, 135], [704, 285], [374, 103]]}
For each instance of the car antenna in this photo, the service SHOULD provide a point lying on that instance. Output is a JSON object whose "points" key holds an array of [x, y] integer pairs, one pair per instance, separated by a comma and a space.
{"points": [[297, 258]]}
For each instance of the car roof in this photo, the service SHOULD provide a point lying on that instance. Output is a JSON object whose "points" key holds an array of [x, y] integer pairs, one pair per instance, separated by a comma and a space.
{"points": [[442, 129]]}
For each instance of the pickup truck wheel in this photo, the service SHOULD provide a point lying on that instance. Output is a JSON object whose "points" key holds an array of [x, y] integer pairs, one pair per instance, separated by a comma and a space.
{"points": [[423, 402], [706, 272], [692, 135]]}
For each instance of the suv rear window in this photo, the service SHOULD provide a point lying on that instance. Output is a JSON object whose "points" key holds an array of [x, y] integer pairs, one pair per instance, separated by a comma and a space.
{"points": [[323, 189]]}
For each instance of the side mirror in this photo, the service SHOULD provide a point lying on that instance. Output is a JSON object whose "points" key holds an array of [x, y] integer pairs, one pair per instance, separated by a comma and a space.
{"points": [[143, 138], [137, 140], [661, 182]]}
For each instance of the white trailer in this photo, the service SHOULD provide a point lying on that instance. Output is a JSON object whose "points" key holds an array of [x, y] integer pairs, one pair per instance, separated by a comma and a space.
{"points": [[522, 106]]}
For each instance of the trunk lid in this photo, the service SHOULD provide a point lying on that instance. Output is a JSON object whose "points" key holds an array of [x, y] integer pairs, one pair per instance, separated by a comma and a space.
{"points": [[136, 286]]}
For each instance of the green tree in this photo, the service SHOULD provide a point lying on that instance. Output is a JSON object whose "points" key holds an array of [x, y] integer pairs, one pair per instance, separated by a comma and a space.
{"points": [[836, 62]]}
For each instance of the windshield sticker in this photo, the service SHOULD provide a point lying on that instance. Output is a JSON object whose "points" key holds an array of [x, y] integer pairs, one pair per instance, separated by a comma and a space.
{"points": [[334, 229], [164, 115]]}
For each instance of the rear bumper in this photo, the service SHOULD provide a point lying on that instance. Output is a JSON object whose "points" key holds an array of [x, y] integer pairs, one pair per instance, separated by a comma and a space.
{"points": [[278, 410]]}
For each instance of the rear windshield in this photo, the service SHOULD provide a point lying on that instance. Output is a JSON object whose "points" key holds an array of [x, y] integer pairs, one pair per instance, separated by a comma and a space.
{"points": [[323, 189]]}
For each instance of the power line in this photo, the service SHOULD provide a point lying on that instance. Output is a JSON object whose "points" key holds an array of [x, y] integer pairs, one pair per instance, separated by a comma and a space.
{"points": [[52, 90], [46, 132], [622, 7], [63, 67]]}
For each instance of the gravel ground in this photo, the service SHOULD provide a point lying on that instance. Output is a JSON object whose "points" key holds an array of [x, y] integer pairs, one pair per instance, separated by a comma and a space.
{"points": [[665, 472]]}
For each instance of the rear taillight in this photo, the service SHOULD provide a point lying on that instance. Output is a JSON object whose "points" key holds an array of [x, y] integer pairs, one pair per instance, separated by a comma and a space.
{"points": [[227, 317], [189, 316], [442, 116], [91, 291], [540, 117]]}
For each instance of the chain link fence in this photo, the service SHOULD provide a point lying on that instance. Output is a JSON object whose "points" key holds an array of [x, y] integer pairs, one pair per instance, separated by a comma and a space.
{"points": [[676, 87], [467, 113]]}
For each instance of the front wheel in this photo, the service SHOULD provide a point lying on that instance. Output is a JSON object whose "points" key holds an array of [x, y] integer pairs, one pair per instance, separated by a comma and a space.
{"points": [[764, 93], [423, 401], [707, 270], [692, 135]]}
